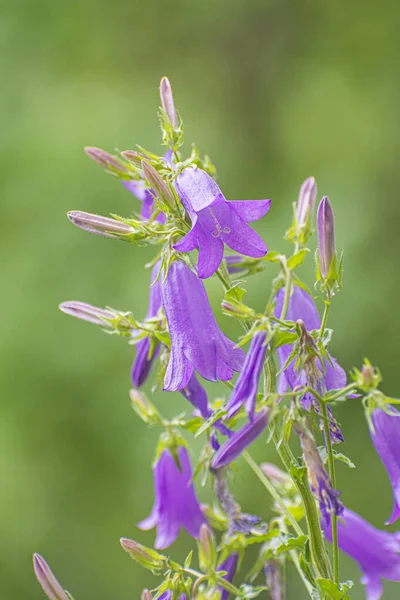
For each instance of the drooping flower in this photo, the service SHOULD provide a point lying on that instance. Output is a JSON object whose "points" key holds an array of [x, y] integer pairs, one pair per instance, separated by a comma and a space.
{"points": [[245, 390], [332, 376], [229, 565], [326, 236], [318, 478], [47, 580], [386, 439], [216, 221], [239, 441], [196, 340], [144, 360], [175, 504], [377, 552]]}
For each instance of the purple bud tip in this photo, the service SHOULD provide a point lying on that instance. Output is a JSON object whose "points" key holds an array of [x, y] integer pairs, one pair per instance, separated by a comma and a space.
{"points": [[45, 577], [275, 474], [99, 225], [167, 100], [326, 236], [105, 159], [86, 312], [146, 595], [306, 201]]}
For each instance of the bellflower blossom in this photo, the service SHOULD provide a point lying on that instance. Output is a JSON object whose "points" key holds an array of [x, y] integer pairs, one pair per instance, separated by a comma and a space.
{"points": [[386, 438], [196, 340], [142, 363], [175, 504], [239, 440], [377, 552], [245, 390], [229, 565], [302, 306], [216, 221]]}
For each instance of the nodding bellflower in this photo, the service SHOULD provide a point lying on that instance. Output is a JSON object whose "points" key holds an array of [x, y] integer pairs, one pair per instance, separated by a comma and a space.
{"points": [[216, 221], [142, 364], [386, 439], [377, 552], [332, 376], [175, 504], [239, 440], [245, 390], [196, 340]]}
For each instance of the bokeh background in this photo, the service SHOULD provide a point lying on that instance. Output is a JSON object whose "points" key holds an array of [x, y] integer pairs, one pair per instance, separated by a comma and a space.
{"points": [[274, 91]]}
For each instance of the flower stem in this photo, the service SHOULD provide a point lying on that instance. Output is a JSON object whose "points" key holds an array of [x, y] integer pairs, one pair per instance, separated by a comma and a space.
{"points": [[332, 475], [288, 291], [272, 491], [325, 315]]}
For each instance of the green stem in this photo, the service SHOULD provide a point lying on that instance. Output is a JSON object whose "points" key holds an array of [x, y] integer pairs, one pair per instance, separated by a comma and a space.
{"points": [[288, 291], [332, 475], [295, 558], [325, 316], [272, 491]]}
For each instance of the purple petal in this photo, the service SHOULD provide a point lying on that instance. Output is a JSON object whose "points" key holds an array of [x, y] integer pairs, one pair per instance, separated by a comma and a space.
{"points": [[250, 210], [196, 189], [188, 243]]}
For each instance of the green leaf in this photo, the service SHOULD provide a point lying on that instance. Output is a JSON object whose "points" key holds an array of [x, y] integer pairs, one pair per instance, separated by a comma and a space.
{"points": [[293, 543], [331, 591], [207, 424], [188, 560], [275, 257], [345, 459], [297, 259], [248, 591]]}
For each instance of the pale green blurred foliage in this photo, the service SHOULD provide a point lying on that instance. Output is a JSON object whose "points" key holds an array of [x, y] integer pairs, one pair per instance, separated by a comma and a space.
{"points": [[274, 91]]}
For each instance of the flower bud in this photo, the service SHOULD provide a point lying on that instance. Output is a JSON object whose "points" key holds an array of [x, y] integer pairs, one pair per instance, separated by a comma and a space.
{"points": [[326, 236], [146, 595], [306, 201], [106, 160], [273, 580], [275, 474], [157, 184], [45, 577], [143, 407], [167, 100], [150, 559], [99, 225], [87, 312], [207, 548]]}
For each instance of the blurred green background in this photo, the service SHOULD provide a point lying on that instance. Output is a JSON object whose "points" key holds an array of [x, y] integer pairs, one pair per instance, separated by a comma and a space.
{"points": [[274, 91]]}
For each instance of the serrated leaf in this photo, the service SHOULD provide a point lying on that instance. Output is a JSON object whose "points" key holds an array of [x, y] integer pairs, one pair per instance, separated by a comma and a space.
{"points": [[332, 591], [293, 543], [297, 259], [345, 459]]}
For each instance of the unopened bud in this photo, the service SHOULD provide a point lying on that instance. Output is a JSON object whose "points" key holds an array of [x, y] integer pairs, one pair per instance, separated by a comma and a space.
{"points": [[306, 201], [146, 595], [87, 312], [143, 407], [133, 157], [275, 474], [99, 225], [207, 548], [150, 559], [158, 185], [273, 579], [326, 236], [238, 309], [45, 577], [167, 100], [106, 160]]}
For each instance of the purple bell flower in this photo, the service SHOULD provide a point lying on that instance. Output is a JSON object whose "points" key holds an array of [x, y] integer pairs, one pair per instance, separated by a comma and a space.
{"points": [[377, 552], [245, 390], [142, 363], [169, 594], [175, 504], [239, 440], [229, 565], [386, 439], [196, 340], [302, 306], [216, 221]]}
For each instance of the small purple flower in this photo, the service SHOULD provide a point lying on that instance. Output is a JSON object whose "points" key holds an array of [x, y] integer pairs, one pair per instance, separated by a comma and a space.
{"points": [[196, 340], [302, 306], [239, 441], [143, 362], [229, 565], [216, 221], [386, 439], [377, 552], [175, 504], [326, 236], [318, 478], [245, 390]]}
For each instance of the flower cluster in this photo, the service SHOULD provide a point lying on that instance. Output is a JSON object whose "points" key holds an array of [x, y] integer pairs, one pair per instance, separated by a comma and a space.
{"points": [[278, 381]]}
